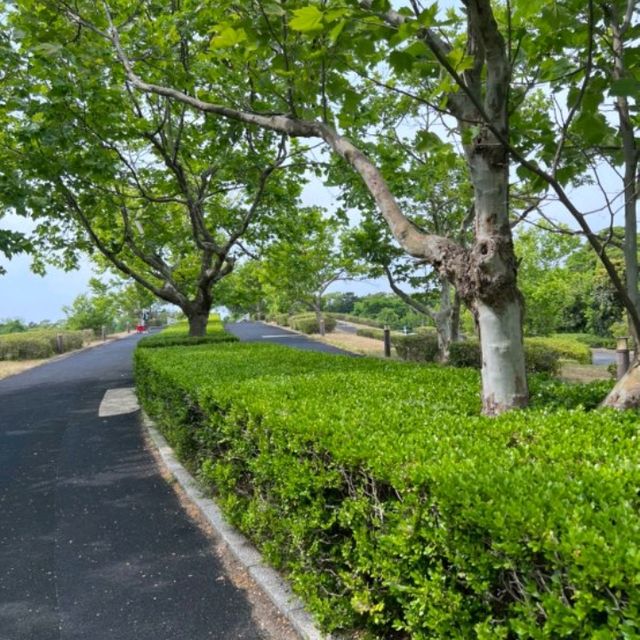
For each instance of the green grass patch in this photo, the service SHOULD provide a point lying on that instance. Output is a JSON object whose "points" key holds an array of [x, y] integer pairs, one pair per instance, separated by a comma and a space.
{"points": [[396, 508]]}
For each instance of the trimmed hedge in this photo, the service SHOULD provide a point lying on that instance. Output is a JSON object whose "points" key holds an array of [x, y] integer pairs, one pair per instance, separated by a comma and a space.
{"points": [[567, 348], [39, 344], [378, 334], [177, 334], [419, 348], [396, 508], [539, 358], [308, 323], [357, 319], [594, 342], [371, 332], [281, 318]]}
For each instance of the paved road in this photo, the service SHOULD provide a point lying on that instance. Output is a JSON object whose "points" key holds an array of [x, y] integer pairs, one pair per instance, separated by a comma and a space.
{"points": [[261, 332], [94, 544]]}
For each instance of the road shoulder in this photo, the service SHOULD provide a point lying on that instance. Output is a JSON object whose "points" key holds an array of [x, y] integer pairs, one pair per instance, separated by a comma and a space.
{"points": [[243, 561]]}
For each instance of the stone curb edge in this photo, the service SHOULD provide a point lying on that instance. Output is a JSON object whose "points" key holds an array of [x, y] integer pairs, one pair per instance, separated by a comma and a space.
{"points": [[269, 580]]}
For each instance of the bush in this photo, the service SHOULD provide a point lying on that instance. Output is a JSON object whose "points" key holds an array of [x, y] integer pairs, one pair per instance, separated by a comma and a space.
{"points": [[282, 319], [539, 357], [308, 323], [465, 354], [395, 507], [371, 332], [593, 341], [178, 335], [35, 345], [566, 348], [419, 348], [369, 322]]}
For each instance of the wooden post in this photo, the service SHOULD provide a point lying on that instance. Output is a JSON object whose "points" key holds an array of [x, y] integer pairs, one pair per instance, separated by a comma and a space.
{"points": [[387, 342], [104, 333], [622, 354], [59, 343]]}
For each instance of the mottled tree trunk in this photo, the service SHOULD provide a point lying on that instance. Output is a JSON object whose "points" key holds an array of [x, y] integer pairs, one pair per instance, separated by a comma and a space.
{"points": [[493, 293], [198, 323]]}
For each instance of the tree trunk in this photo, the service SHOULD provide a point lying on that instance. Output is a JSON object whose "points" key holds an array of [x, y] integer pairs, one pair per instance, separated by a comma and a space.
{"points": [[320, 319], [198, 323], [626, 392], [491, 288], [443, 320], [455, 318]]}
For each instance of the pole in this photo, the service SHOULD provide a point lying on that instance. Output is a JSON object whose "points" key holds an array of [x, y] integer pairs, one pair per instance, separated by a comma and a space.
{"points": [[104, 333], [59, 343], [387, 342]]}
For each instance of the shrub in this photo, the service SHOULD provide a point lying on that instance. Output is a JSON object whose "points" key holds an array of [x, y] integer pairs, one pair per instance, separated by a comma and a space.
{"points": [[593, 341], [308, 323], [38, 344], [369, 322], [419, 348], [282, 319], [566, 348], [539, 357], [371, 332], [395, 507], [465, 354], [178, 335]]}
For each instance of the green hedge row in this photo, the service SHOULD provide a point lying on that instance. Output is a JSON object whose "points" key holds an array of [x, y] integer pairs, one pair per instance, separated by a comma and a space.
{"points": [[396, 508], [567, 348], [35, 345], [357, 320], [371, 332], [177, 334], [594, 342], [308, 323], [542, 355]]}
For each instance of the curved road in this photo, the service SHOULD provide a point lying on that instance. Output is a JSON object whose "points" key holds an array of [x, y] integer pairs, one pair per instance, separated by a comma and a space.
{"points": [[94, 544]]}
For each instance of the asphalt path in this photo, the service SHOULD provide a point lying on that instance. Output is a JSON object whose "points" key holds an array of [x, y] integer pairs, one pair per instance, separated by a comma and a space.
{"points": [[94, 544], [261, 332]]}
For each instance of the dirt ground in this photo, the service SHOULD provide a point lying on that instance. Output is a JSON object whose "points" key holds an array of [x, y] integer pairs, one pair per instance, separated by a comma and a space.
{"points": [[573, 372], [354, 343]]}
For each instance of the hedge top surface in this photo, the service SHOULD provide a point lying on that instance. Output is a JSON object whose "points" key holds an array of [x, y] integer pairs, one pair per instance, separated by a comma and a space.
{"points": [[547, 495], [178, 335], [399, 417]]}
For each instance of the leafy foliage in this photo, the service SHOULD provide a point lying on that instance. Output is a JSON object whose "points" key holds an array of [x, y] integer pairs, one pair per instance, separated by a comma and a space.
{"points": [[308, 323], [38, 344], [395, 507], [178, 335]]}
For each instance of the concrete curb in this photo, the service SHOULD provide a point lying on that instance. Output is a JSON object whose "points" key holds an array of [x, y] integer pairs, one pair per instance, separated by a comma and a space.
{"points": [[269, 580]]}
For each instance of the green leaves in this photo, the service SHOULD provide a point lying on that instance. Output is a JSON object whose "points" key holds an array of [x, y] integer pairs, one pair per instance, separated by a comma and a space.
{"points": [[308, 19], [228, 37], [625, 87], [396, 508]]}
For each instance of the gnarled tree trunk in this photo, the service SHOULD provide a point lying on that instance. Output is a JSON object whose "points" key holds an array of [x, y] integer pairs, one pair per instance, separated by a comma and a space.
{"points": [[493, 293], [198, 323]]}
